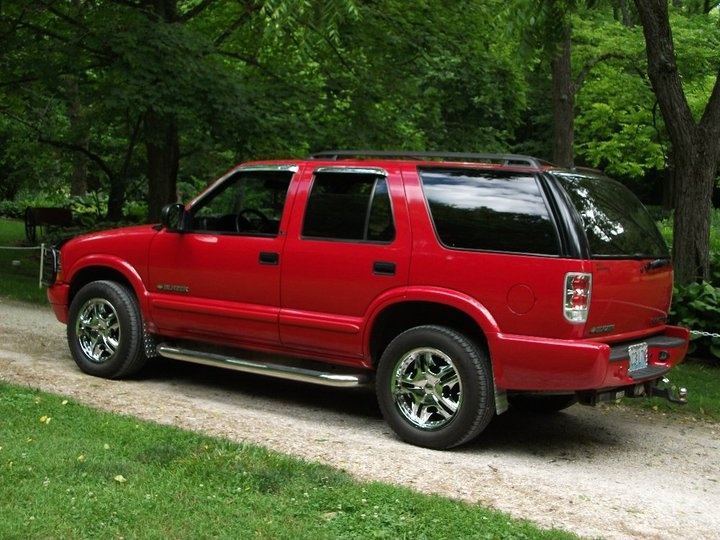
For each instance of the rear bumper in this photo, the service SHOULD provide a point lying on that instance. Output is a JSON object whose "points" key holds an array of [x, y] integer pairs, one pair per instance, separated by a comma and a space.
{"points": [[526, 363]]}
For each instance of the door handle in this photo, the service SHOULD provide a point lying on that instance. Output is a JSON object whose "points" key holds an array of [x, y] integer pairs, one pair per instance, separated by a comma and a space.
{"points": [[269, 257], [384, 268]]}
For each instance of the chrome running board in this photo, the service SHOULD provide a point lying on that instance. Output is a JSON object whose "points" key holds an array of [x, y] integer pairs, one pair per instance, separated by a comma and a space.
{"points": [[348, 379]]}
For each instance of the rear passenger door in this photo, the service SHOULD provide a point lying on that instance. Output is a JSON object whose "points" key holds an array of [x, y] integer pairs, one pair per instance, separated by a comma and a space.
{"points": [[348, 246]]}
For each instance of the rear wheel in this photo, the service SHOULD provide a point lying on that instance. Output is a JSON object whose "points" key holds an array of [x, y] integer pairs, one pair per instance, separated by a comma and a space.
{"points": [[435, 387], [105, 330]]}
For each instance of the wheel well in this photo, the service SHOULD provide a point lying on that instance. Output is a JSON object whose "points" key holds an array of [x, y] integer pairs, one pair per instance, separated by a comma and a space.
{"points": [[96, 273], [400, 317]]}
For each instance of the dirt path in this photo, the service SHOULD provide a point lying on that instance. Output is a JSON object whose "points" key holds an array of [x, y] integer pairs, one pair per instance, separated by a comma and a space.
{"points": [[610, 472]]}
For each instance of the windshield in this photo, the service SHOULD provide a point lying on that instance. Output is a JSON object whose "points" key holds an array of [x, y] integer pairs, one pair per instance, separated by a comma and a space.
{"points": [[616, 223]]}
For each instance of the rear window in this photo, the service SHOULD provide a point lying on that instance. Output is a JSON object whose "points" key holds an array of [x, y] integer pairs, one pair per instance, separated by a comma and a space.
{"points": [[616, 223], [489, 210]]}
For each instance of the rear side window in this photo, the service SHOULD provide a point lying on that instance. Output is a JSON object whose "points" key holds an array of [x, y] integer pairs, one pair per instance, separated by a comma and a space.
{"points": [[489, 210], [616, 223], [352, 206]]}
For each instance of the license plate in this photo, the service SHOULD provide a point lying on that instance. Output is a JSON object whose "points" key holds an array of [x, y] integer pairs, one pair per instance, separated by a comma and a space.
{"points": [[638, 356]]}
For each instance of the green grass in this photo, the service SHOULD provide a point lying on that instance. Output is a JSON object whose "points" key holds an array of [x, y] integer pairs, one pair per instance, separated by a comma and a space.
{"points": [[19, 268], [702, 380], [67, 471]]}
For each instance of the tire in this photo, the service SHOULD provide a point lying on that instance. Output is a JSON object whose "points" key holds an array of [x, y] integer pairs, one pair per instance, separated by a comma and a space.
{"points": [[105, 330], [435, 387], [542, 404]]}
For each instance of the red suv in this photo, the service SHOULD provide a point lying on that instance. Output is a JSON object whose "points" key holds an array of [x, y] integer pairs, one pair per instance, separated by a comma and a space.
{"points": [[456, 283]]}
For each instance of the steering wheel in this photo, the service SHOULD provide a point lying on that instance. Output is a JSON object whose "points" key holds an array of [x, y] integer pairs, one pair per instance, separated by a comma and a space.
{"points": [[243, 223]]}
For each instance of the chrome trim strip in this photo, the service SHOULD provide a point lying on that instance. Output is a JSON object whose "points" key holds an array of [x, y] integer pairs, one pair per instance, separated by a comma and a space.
{"points": [[338, 380], [351, 170], [266, 167]]}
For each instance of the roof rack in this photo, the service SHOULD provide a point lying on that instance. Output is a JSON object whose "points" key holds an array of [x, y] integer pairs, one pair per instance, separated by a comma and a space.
{"points": [[500, 159]]}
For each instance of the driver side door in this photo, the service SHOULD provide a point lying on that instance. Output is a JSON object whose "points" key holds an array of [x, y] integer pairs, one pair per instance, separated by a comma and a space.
{"points": [[219, 279]]}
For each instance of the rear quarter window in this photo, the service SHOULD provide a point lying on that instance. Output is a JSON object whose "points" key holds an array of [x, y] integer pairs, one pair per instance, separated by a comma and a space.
{"points": [[489, 210]]}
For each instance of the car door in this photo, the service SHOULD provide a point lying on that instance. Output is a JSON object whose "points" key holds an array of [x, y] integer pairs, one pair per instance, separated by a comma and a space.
{"points": [[220, 276], [348, 247]]}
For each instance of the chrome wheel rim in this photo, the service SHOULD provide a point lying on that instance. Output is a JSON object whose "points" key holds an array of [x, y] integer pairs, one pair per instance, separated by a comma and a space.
{"points": [[426, 388], [98, 330]]}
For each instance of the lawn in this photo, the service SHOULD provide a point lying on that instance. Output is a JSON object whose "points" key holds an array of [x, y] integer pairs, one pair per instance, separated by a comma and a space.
{"points": [[19, 264], [67, 471]]}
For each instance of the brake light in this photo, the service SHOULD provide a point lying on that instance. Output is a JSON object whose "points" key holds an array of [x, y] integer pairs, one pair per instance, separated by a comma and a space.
{"points": [[578, 287]]}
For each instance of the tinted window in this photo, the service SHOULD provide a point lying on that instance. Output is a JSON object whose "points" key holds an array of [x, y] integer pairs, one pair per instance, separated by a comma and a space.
{"points": [[250, 202], [615, 221], [349, 206], [489, 210]]}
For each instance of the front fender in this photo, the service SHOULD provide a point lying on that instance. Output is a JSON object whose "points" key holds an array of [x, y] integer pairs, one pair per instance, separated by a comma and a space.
{"points": [[99, 266]]}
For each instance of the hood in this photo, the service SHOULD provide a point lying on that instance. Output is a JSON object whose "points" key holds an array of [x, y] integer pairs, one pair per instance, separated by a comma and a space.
{"points": [[114, 248]]}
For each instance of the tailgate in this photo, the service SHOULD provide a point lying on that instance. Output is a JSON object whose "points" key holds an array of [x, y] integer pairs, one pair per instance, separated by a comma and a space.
{"points": [[628, 296]]}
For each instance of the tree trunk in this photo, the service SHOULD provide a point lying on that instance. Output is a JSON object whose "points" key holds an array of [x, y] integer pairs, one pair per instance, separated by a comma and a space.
{"points": [[695, 146], [163, 156], [563, 103], [79, 130], [693, 216], [162, 140]]}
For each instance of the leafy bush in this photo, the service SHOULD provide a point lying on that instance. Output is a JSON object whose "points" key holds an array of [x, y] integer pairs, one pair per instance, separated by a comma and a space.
{"points": [[697, 306], [11, 209]]}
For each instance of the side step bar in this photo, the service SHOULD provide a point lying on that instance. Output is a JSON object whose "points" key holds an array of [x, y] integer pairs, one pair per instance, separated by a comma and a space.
{"points": [[277, 370]]}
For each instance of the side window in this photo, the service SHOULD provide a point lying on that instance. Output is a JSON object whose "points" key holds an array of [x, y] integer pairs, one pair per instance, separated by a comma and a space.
{"points": [[489, 210], [349, 206], [250, 202]]}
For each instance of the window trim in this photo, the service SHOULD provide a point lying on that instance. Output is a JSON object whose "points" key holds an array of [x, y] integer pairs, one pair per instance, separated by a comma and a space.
{"points": [[191, 208], [379, 174], [543, 195]]}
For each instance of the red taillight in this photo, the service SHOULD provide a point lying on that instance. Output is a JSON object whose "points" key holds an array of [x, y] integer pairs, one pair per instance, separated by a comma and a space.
{"points": [[577, 296]]}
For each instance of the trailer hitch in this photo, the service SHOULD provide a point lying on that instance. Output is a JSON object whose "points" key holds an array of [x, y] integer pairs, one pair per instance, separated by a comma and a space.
{"points": [[666, 391]]}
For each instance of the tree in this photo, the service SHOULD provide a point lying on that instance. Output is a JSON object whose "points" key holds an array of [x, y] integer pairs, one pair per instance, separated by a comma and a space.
{"points": [[695, 144]]}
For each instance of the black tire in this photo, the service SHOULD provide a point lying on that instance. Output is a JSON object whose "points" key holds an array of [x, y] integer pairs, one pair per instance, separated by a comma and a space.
{"points": [[447, 397], [542, 404], [105, 330]]}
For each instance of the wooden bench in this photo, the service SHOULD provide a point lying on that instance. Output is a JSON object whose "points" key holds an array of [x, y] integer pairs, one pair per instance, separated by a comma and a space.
{"points": [[45, 217]]}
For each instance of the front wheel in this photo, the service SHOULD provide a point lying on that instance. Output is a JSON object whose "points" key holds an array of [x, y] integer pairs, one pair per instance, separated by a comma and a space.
{"points": [[435, 387], [105, 330]]}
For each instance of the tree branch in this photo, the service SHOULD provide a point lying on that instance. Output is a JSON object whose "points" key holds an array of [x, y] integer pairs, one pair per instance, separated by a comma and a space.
{"points": [[587, 68]]}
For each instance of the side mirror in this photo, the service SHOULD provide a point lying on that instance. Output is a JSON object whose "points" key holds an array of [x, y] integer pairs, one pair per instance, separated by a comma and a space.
{"points": [[172, 217]]}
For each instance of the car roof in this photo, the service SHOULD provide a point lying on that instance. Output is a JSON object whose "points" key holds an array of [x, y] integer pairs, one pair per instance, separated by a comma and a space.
{"points": [[386, 159]]}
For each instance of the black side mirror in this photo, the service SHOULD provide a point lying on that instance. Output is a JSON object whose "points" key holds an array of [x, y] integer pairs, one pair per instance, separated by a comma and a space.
{"points": [[173, 217]]}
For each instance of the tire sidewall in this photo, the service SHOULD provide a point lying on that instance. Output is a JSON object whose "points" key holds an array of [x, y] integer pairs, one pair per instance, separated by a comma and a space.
{"points": [[477, 405], [129, 351]]}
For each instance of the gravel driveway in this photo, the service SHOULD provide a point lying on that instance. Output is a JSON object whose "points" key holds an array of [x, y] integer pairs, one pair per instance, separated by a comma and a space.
{"points": [[608, 471]]}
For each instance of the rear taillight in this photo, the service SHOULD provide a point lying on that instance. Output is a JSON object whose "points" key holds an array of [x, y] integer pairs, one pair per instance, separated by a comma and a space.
{"points": [[577, 296]]}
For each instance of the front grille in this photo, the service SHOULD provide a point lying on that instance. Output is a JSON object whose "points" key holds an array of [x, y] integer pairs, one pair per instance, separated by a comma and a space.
{"points": [[50, 265]]}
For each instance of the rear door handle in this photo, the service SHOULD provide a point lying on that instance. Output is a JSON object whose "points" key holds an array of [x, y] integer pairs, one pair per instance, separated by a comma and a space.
{"points": [[384, 268], [269, 257]]}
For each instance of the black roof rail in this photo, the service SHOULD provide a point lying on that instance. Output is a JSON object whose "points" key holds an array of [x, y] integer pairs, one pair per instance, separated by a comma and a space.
{"points": [[516, 160]]}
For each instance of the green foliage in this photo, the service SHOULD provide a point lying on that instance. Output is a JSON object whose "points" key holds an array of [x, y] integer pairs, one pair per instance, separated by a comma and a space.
{"points": [[697, 306], [11, 209], [71, 472]]}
